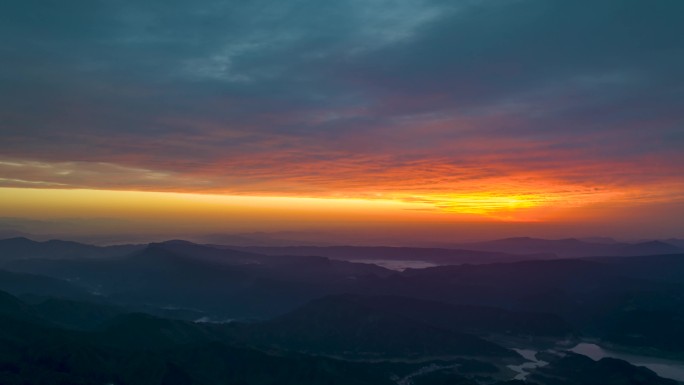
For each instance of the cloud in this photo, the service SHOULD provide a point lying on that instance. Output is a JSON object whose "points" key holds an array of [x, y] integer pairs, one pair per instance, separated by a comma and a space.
{"points": [[346, 98]]}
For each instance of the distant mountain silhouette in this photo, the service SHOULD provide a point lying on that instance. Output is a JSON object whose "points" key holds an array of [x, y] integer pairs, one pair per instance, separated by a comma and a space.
{"points": [[10, 233], [536, 298], [648, 248], [571, 247], [607, 240], [24, 248], [503, 250], [675, 242], [88, 316], [367, 253]]}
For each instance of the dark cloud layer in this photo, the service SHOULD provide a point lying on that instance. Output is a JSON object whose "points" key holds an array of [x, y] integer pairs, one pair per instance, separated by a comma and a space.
{"points": [[349, 97]]}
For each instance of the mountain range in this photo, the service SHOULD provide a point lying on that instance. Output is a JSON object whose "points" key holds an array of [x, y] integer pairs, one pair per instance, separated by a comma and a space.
{"points": [[79, 313]]}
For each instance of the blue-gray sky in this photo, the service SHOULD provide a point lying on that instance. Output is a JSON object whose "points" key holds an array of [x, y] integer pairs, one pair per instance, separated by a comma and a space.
{"points": [[565, 103]]}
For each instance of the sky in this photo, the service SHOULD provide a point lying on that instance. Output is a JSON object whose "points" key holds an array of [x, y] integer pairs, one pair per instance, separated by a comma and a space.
{"points": [[473, 118]]}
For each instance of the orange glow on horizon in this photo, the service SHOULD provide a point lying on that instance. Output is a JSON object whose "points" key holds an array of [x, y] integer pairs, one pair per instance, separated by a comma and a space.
{"points": [[478, 214], [419, 191], [485, 205]]}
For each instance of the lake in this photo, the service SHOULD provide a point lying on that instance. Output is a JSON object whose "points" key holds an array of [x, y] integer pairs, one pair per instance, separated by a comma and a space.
{"points": [[397, 265], [663, 367]]}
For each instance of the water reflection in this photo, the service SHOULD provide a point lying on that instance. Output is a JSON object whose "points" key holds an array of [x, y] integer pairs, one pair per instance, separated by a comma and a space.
{"points": [[397, 265], [523, 370], [664, 368]]}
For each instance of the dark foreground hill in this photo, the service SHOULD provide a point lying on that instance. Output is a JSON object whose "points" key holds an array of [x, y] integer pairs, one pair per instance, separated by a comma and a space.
{"points": [[480, 320], [145, 350], [346, 326], [222, 283], [134, 349]]}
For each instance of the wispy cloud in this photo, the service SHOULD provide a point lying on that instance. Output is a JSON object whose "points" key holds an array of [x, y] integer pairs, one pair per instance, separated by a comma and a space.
{"points": [[479, 102]]}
